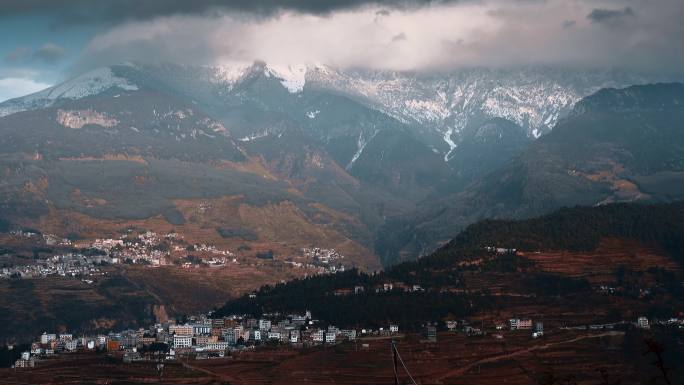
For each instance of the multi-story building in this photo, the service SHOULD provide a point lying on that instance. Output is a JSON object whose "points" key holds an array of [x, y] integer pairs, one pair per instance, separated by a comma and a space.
{"points": [[47, 338], [229, 336], [255, 335], [294, 336], [201, 329], [181, 341], [181, 330], [264, 324], [318, 336]]}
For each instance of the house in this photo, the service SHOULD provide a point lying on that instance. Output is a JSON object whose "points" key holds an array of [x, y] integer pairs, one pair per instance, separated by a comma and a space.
{"points": [[349, 334], [66, 337], [394, 328], [25, 363], [217, 345], [71, 345], [451, 324], [431, 333], [642, 323], [330, 337], [113, 345], [514, 323], [358, 289], [342, 292], [36, 349], [519, 324], [274, 335], [47, 338], [201, 340]]}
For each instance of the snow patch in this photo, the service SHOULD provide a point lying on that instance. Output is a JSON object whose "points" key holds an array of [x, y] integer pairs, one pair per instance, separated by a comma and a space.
{"points": [[361, 143], [292, 77], [450, 142], [79, 118], [254, 136], [88, 84]]}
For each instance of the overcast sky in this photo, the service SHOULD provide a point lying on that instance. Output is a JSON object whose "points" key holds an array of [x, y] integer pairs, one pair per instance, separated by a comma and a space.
{"points": [[45, 41]]}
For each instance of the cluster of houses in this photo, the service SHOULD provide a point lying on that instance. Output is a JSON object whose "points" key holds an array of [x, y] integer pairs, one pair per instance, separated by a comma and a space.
{"points": [[199, 337], [320, 260], [150, 248], [63, 265], [141, 249]]}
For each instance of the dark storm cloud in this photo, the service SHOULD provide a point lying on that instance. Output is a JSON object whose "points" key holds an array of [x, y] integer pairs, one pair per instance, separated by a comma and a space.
{"points": [[94, 11], [599, 15]]}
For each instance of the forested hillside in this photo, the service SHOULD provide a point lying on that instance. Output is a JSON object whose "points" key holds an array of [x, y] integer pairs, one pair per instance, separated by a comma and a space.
{"points": [[444, 279]]}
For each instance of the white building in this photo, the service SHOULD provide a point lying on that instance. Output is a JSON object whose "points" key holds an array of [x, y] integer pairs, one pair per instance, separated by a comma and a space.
{"points": [[71, 345], [180, 341], [349, 334], [256, 335], [294, 336], [273, 335], [201, 329], [47, 338], [318, 336], [394, 328], [264, 324], [217, 345], [330, 337]]}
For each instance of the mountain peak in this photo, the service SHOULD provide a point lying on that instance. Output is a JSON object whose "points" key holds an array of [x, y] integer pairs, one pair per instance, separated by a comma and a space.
{"points": [[90, 83]]}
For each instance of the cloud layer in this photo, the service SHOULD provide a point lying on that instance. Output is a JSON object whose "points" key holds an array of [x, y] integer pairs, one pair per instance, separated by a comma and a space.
{"points": [[443, 35], [113, 11]]}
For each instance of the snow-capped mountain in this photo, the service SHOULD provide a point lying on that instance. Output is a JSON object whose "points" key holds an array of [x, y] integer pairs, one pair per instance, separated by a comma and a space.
{"points": [[369, 144], [88, 84], [441, 107], [450, 103]]}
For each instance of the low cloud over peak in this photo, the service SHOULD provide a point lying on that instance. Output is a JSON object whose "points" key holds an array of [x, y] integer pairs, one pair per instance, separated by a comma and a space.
{"points": [[432, 35]]}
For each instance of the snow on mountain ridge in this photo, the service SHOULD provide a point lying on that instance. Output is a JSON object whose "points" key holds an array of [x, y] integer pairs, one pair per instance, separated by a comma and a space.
{"points": [[88, 84], [292, 77]]}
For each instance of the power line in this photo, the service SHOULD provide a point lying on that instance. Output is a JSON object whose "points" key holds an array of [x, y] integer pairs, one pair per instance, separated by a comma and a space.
{"points": [[396, 355]]}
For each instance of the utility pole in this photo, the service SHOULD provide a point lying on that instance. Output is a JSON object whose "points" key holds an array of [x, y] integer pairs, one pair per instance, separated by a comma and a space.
{"points": [[394, 359]]}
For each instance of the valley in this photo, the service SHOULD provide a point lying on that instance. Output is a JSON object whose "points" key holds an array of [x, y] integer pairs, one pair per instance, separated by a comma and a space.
{"points": [[503, 301]]}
